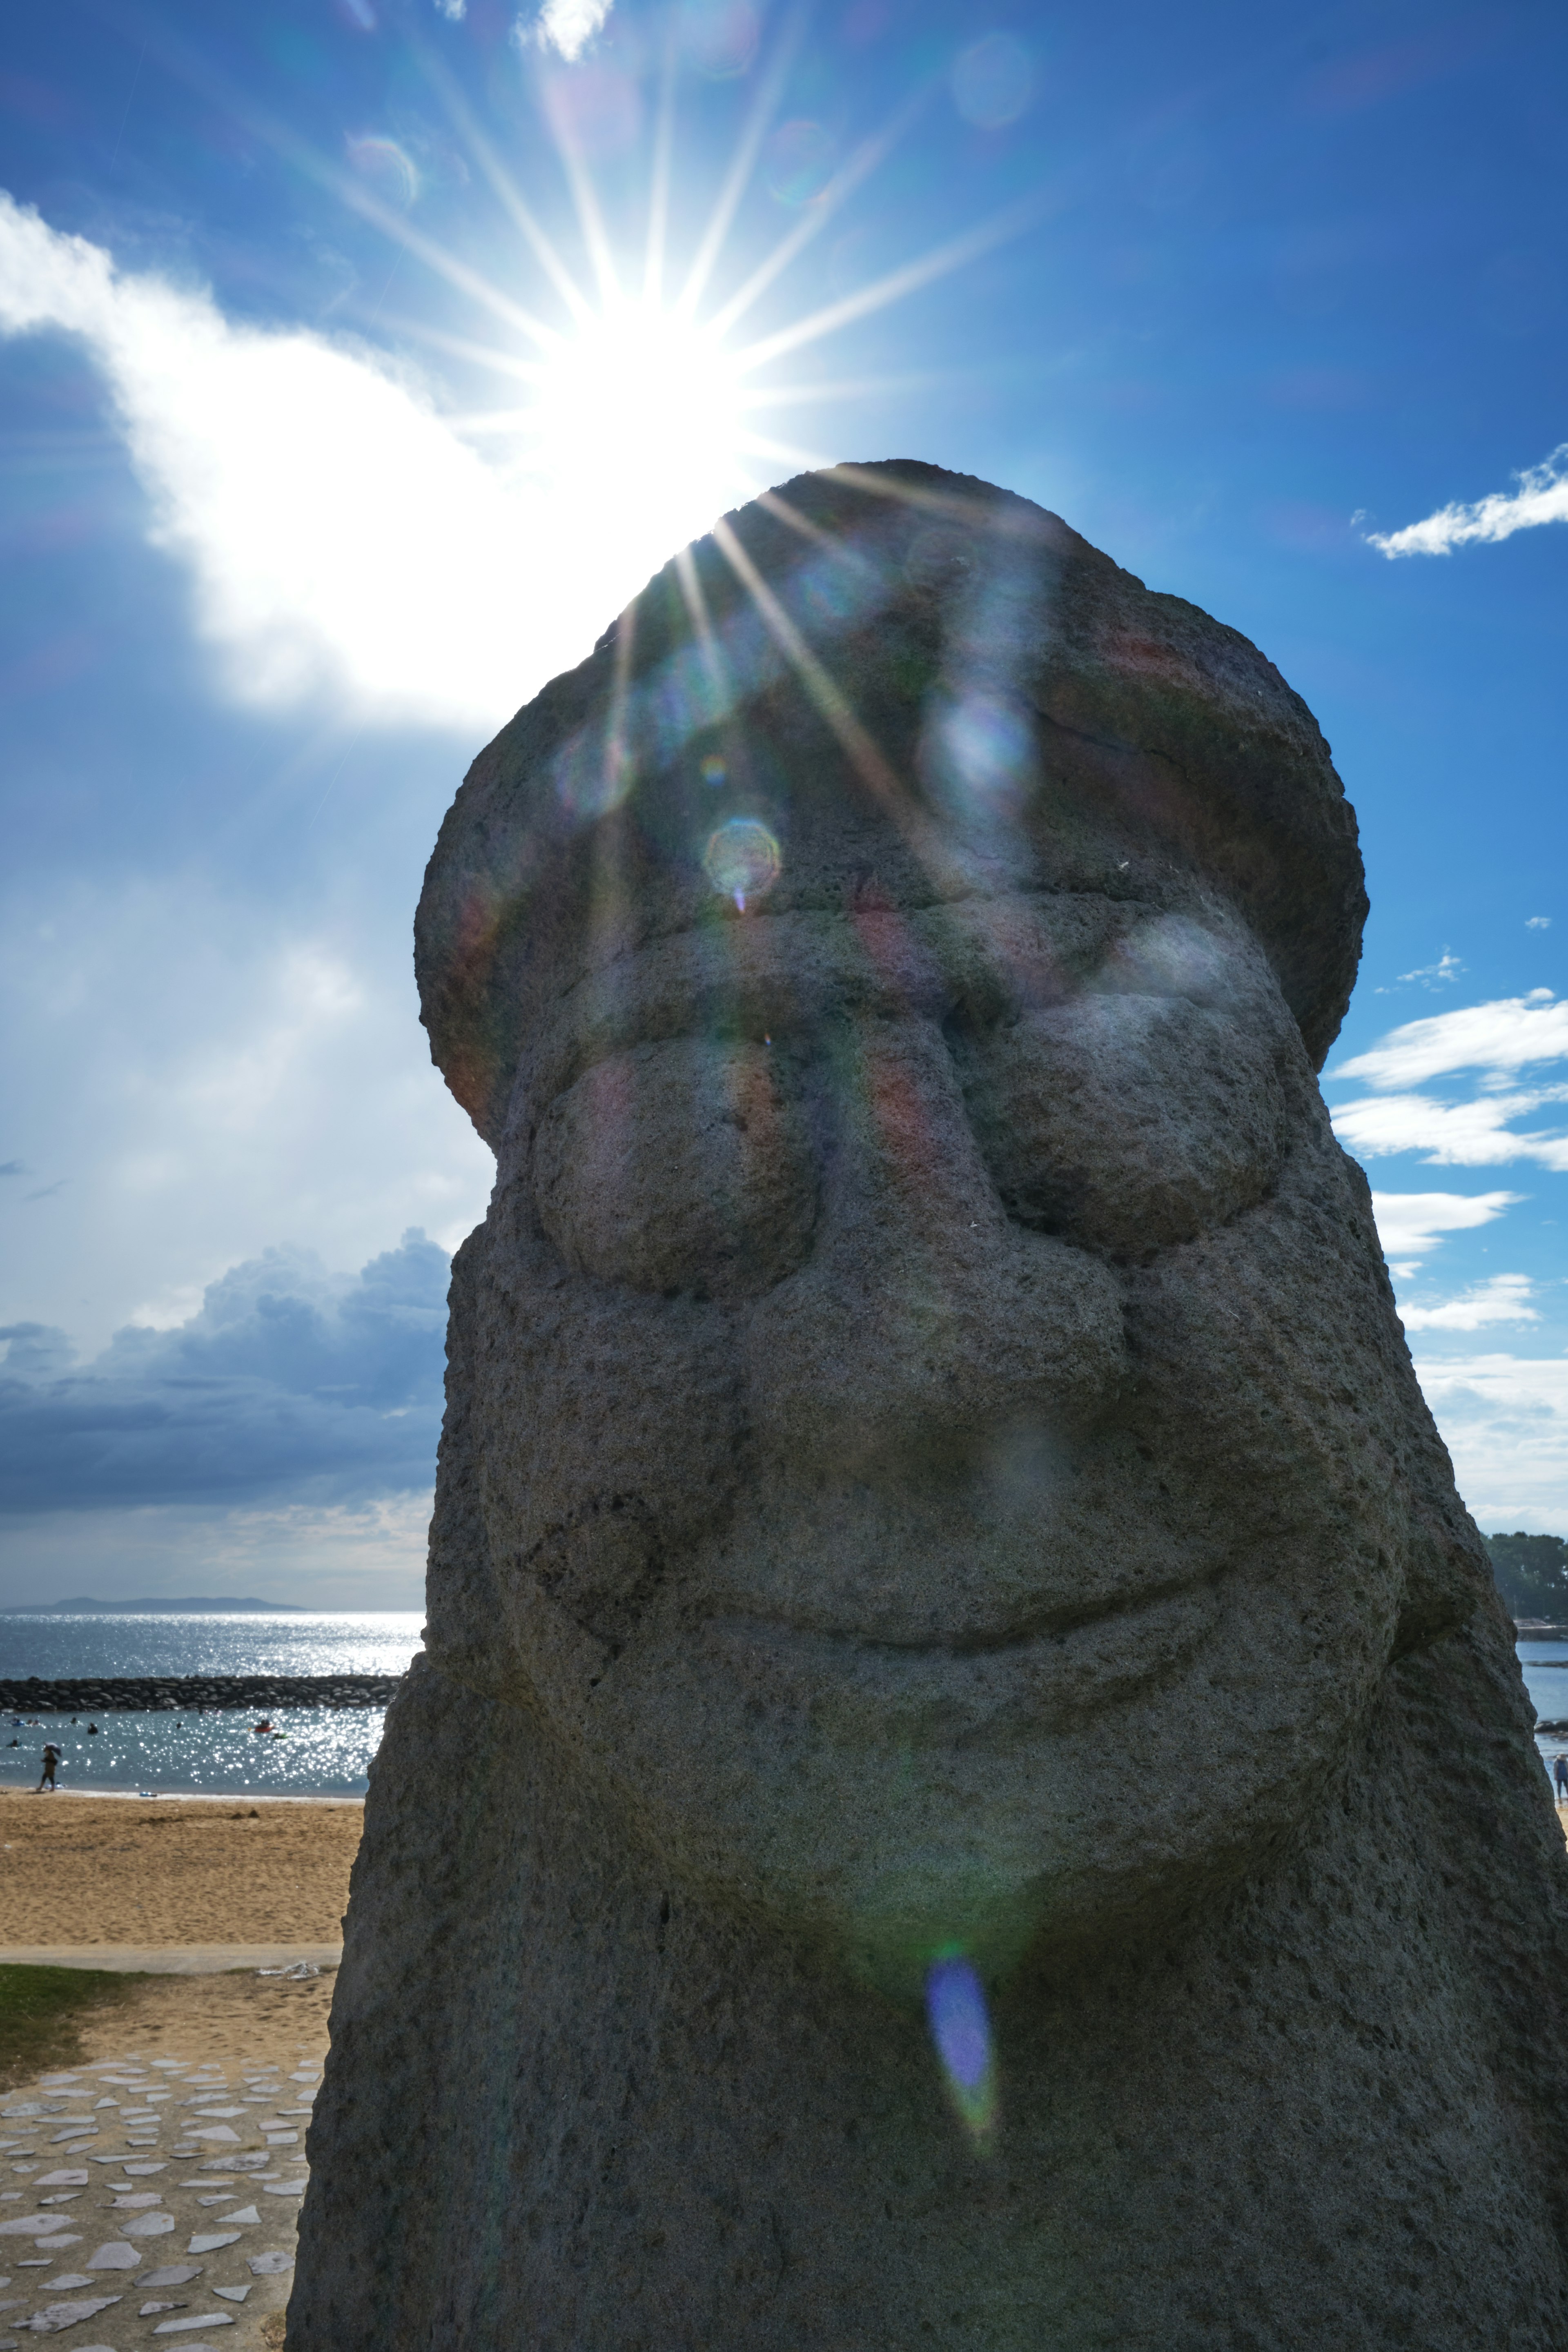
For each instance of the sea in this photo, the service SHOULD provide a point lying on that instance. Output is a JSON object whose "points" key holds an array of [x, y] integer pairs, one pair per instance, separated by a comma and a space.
{"points": [[1546, 1665], [322, 1751], [319, 1751]]}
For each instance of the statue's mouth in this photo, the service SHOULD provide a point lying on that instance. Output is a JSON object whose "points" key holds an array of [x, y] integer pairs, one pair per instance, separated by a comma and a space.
{"points": [[1048, 1666], [1054, 1622], [1025, 1546]]}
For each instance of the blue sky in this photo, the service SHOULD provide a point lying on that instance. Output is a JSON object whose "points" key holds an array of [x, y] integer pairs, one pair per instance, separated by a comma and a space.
{"points": [[342, 403]]}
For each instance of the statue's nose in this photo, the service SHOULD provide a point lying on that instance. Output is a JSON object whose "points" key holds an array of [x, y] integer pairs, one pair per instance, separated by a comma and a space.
{"points": [[926, 1318]]}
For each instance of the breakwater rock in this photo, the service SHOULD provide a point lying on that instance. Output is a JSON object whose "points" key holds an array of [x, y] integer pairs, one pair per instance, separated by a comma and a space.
{"points": [[184, 1693]]}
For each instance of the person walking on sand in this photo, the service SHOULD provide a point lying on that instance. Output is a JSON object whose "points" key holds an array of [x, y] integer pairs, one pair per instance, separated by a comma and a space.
{"points": [[1560, 1774], [51, 1758]]}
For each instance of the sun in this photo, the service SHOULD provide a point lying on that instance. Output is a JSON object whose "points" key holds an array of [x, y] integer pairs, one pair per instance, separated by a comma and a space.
{"points": [[637, 389], [637, 418]]}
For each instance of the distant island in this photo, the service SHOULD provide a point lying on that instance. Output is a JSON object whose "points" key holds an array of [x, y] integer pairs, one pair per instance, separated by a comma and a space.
{"points": [[84, 1603]]}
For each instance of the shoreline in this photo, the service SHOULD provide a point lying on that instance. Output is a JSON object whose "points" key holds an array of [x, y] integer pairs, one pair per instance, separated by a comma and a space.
{"points": [[194, 1796], [177, 1959]]}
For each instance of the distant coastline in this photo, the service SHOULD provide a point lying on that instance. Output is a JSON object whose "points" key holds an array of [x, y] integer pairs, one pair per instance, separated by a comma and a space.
{"points": [[182, 1604]]}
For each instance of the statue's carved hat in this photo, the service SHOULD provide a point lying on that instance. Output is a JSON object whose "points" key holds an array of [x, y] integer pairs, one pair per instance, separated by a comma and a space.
{"points": [[913, 684]]}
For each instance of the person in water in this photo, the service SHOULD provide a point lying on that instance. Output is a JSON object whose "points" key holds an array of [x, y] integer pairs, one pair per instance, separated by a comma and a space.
{"points": [[1560, 1774], [51, 1759]]}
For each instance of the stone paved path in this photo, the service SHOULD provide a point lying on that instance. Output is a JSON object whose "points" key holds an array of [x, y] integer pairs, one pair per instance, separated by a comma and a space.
{"points": [[148, 2203]]}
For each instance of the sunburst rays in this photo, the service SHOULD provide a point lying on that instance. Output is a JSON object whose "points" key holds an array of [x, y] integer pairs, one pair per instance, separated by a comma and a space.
{"points": [[618, 301], [643, 333], [612, 316]]}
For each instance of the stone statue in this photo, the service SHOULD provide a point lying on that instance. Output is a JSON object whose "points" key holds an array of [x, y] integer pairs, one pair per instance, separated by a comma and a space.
{"points": [[970, 1784]]}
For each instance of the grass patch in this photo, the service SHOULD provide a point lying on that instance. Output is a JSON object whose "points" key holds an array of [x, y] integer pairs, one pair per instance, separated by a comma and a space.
{"points": [[40, 2010]]}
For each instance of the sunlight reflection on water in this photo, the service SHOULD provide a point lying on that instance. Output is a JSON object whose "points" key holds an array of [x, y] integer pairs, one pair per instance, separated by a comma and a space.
{"points": [[324, 1751], [313, 1641]]}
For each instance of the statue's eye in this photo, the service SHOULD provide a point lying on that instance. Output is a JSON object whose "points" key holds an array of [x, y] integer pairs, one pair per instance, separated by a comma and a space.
{"points": [[1129, 1120], [682, 1166]]}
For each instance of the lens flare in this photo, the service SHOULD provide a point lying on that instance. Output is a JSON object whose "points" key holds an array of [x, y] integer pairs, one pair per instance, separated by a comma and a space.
{"points": [[598, 109], [719, 37], [992, 83], [979, 753], [714, 772], [800, 162], [960, 2029], [741, 860], [388, 167]]}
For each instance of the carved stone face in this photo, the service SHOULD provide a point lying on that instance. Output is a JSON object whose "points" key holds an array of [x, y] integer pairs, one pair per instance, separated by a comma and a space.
{"points": [[941, 1426]]}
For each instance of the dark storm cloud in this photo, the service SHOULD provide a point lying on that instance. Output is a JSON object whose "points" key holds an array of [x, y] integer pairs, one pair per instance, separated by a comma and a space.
{"points": [[289, 1385]]}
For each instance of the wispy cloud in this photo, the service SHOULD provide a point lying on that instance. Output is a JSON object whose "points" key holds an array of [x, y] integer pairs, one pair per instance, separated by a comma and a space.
{"points": [[1410, 1226], [1503, 1035], [454, 9], [1504, 1298], [1537, 922], [1497, 1041], [1452, 1135], [14, 1168], [568, 25], [1447, 968], [1504, 1419], [1540, 496]]}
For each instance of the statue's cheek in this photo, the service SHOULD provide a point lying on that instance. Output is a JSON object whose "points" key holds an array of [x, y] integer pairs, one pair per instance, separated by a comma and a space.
{"points": [[681, 1167], [1127, 1123], [609, 1438]]}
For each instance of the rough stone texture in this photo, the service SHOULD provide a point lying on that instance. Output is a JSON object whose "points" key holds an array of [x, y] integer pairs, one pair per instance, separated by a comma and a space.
{"points": [[932, 1460]]}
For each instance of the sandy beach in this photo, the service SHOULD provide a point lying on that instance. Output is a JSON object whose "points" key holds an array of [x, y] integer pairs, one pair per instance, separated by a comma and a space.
{"points": [[172, 1870], [110, 1870]]}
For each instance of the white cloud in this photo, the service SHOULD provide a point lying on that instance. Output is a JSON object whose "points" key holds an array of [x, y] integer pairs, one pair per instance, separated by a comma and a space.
{"points": [[1432, 975], [306, 488], [288, 1383], [1504, 1419], [1542, 497], [1497, 1039], [1410, 1224], [1501, 1035], [569, 26], [1504, 1298], [342, 537], [232, 1078], [454, 9], [1450, 1135], [1537, 922]]}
